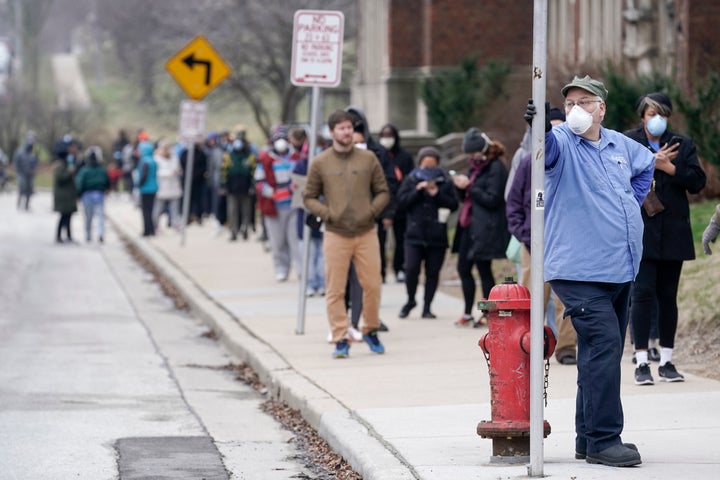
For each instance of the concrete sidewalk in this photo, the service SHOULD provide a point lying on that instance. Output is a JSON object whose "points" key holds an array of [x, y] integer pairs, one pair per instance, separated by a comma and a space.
{"points": [[411, 413]]}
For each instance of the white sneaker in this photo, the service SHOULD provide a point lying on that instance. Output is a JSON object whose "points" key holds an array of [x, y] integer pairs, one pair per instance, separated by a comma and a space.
{"points": [[329, 337], [309, 292], [281, 277], [354, 335]]}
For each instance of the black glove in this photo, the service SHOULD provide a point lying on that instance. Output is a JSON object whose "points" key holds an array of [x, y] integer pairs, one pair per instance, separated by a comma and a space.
{"points": [[531, 111], [312, 221]]}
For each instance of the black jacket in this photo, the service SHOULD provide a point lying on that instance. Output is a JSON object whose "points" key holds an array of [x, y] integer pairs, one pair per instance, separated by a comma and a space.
{"points": [[421, 210], [668, 235], [385, 161], [487, 236]]}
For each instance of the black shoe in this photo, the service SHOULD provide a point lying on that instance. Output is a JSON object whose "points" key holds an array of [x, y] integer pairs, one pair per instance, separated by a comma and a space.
{"points": [[233, 237], [653, 354], [668, 373], [643, 375], [383, 327], [101, 240], [570, 359], [566, 356], [615, 456], [428, 314], [405, 310], [581, 454]]}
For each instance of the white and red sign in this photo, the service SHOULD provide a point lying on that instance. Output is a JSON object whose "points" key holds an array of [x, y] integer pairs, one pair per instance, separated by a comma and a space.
{"points": [[192, 120], [317, 48]]}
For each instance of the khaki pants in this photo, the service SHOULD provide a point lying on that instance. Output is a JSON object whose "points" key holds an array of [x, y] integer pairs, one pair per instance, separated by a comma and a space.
{"points": [[567, 339], [364, 251]]}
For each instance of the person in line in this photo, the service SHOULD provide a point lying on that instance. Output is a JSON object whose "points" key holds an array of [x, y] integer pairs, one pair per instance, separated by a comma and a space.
{"points": [[169, 189], [518, 210], [236, 180], [482, 233], [667, 236], [316, 262], [385, 218], [427, 196], [215, 154], [147, 185], [710, 233], [403, 164], [273, 186], [198, 181], [64, 189], [25, 163], [92, 183], [116, 170], [595, 181], [355, 191]]}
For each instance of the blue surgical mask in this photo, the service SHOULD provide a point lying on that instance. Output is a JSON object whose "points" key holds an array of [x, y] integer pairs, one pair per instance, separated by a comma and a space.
{"points": [[656, 126]]}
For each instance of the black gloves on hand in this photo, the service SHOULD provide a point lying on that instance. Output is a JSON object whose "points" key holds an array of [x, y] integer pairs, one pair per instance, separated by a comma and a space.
{"points": [[312, 221], [531, 111]]}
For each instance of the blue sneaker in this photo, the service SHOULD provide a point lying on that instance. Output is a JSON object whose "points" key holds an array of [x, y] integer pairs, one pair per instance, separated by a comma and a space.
{"points": [[371, 338], [342, 349]]}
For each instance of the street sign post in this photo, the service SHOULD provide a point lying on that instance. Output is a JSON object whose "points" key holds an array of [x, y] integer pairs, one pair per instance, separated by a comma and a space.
{"points": [[197, 68], [317, 48], [316, 62], [192, 120], [192, 129]]}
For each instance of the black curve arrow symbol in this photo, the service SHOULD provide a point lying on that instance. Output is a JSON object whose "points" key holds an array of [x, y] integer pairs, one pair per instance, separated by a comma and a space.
{"points": [[190, 61]]}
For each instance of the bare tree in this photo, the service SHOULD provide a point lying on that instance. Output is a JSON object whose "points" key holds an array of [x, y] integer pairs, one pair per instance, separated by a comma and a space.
{"points": [[143, 34], [32, 15], [255, 37]]}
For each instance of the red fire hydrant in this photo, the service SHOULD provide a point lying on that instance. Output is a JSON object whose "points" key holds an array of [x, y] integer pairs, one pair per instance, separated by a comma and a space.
{"points": [[507, 350]]}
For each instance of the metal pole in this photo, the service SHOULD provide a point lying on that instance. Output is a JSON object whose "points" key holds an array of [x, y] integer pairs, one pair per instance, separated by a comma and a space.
{"points": [[314, 111], [537, 232], [186, 193]]}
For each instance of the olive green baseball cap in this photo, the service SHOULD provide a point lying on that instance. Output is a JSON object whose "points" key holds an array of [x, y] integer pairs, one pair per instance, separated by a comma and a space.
{"points": [[593, 86]]}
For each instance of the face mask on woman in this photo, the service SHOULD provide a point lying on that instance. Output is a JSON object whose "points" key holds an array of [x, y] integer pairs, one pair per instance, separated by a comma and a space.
{"points": [[579, 120], [387, 142], [280, 145], [656, 126]]}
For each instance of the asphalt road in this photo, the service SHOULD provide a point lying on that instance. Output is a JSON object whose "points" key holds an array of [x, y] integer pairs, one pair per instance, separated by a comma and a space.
{"points": [[102, 378]]}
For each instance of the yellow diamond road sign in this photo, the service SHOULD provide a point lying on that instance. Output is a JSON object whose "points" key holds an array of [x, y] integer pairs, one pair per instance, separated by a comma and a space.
{"points": [[198, 68]]}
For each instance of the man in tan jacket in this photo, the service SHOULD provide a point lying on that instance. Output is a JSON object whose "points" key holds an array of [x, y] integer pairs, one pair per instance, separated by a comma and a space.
{"points": [[353, 189]]}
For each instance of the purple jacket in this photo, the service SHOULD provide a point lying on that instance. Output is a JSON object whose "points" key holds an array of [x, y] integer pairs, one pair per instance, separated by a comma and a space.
{"points": [[517, 207]]}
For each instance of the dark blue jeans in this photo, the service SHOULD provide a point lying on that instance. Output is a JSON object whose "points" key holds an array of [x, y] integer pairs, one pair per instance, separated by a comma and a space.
{"points": [[599, 313]]}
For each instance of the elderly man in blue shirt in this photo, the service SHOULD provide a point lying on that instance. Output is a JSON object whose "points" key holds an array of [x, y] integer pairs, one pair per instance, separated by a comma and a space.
{"points": [[595, 182]]}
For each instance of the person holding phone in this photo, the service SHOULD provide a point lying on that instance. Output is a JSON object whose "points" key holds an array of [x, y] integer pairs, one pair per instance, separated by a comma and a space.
{"points": [[667, 237]]}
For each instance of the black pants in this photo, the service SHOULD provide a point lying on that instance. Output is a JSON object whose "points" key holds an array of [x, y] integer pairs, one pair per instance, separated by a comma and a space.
{"points": [[655, 290], [382, 237], [399, 226], [464, 269], [64, 224], [433, 257], [147, 202]]}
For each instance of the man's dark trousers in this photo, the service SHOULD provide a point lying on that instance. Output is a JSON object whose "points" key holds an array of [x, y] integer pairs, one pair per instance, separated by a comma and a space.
{"points": [[599, 313]]}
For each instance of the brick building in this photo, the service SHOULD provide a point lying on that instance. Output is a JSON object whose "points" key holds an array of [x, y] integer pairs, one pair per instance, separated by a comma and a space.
{"points": [[402, 41]]}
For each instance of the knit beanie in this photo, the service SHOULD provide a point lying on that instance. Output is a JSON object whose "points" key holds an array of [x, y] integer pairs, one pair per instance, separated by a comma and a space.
{"points": [[280, 131], [428, 152], [475, 141]]}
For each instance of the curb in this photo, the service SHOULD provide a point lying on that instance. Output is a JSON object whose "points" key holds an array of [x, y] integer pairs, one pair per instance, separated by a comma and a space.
{"points": [[345, 432]]}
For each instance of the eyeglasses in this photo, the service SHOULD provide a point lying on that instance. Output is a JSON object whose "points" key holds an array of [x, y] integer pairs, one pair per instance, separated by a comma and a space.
{"points": [[584, 103]]}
